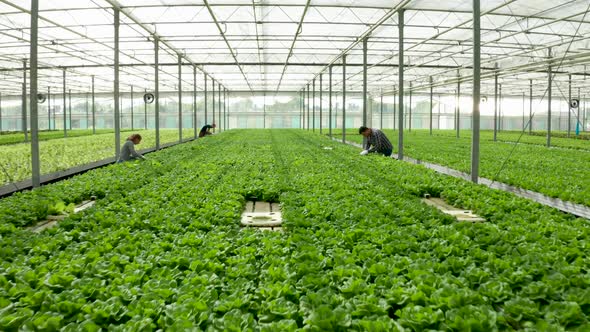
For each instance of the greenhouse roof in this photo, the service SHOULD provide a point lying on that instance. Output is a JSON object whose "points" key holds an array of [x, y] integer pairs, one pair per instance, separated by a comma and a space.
{"points": [[281, 46]]}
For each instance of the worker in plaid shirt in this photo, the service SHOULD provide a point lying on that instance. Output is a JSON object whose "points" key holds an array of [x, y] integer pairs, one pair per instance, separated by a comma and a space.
{"points": [[375, 141]]}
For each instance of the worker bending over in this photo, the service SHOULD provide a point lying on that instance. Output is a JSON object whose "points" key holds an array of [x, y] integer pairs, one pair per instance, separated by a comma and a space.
{"points": [[375, 141], [128, 149], [206, 130]]}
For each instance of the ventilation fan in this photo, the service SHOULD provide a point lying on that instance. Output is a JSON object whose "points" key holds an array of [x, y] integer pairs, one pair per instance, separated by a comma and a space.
{"points": [[574, 103], [148, 98], [484, 99], [41, 98]]}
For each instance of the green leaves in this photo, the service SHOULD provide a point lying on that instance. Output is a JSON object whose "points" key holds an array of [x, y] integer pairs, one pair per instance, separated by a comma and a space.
{"points": [[163, 250]]}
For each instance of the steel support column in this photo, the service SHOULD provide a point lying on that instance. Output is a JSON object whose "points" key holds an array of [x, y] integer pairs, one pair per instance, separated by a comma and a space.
{"points": [[132, 117], [458, 107], [219, 106], [431, 106], [179, 98], [49, 108], [65, 105], [496, 106], [330, 101], [24, 102], [205, 96], [530, 106], [70, 108], [157, 89], [569, 108], [394, 106], [116, 87], [381, 112], [549, 97], [344, 98], [145, 121], [308, 102], [400, 141], [476, 92], [313, 105], [195, 101], [321, 101], [365, 102], [34, 39], [410, 109], [213, 102], [86, 108], [93, 108]]}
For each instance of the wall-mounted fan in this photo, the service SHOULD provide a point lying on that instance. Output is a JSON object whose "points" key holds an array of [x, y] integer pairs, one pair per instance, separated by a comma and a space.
{"points": [[41, 98], [148, 98], [574, 103]]}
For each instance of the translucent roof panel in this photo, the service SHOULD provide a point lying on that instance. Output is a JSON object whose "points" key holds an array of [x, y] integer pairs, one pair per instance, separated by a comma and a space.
{"points": [[283, 45]]}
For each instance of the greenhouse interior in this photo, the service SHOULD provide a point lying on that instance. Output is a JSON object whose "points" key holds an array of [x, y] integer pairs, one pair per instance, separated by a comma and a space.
{"points": [[294, 165]]}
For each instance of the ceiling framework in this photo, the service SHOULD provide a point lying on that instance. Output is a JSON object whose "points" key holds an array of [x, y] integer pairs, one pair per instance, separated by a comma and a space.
{"points": [[281, 46]]}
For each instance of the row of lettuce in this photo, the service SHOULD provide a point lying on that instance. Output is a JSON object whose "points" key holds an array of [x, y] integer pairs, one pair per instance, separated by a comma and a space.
{"points": [[559, 173], [65, 153], [163, 249]]}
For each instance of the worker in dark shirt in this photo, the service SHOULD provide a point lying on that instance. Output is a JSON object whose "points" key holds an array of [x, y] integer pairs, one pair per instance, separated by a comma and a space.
{"points": [[375, 141], [206, 130]]}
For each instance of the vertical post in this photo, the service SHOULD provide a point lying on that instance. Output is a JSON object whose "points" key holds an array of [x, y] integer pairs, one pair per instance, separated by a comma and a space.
{"points": [[400, 141], [219, 106], [49, 108], [70, 108], [501, 124], [132, 118], [458, 108], [225, 120], [381, 112], [117, 119], [431, 106], [179, 98], [394, 106], [476, 92], [300, 109], [93, 109], [264, 111], [195, 101], [24, 102], [410, 109], [205, 96], [438, 112], [308, 102], [330, 101], [313, 106], [86, 110], [1, 114], [145, 121], [523, 111], [213, 99], [549, 92], [157, 89], [365, 42], [65, 105], [569, 108], [530, 106], [35, 163], [496, 105], [344, 98], [321, 101]]}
